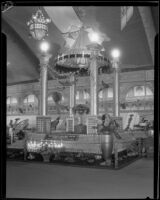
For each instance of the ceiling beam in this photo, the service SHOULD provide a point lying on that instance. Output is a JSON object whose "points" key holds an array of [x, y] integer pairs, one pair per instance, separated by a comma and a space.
{"points": [[146, 16]]}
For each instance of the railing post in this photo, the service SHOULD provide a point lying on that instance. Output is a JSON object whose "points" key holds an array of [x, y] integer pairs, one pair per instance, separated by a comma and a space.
{"points": [[115, 156], [140, 147], [25, 147]]}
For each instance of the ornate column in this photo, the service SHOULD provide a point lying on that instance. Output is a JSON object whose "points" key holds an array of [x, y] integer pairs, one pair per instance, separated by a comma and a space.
{"points": [[72, 94], [93, 86], [44, 60], [94, 79], [116, 88], [20, 104]]}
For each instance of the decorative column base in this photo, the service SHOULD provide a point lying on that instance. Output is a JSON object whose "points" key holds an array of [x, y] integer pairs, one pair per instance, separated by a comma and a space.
{"points": [[92, 125], [43, 124], [70, 124]]}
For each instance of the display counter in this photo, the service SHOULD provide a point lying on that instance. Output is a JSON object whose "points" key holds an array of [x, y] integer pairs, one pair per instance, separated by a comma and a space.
{"points": [[62, 146], [77, 142]]}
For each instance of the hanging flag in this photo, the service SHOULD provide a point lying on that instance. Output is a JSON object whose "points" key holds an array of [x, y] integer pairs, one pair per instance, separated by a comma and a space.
{"points": [[126, 14]]}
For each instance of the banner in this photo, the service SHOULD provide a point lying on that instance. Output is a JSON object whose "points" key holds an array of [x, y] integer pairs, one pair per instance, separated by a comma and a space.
{"points": [[126, 14]]}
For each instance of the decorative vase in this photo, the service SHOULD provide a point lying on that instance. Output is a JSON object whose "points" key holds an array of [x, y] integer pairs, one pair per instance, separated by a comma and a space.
{"points": [[46, 157], [107, 146]]}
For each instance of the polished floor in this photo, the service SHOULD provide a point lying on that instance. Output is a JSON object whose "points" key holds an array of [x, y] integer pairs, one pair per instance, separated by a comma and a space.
{"points": [[48, 181]]}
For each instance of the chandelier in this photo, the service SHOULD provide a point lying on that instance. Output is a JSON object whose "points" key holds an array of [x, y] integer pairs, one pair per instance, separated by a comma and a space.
{"points": [[79, 55], [38, 25]]}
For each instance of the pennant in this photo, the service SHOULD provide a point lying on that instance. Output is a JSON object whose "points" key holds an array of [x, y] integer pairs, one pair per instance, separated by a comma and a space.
{"points": [[126, 14]]}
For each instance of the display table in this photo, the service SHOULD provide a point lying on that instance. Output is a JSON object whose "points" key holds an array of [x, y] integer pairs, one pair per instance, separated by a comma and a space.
{"points": [[88, 149]]}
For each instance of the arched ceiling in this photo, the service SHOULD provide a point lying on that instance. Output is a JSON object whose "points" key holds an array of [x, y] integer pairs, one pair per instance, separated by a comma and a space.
{"points": [[23, 51]]}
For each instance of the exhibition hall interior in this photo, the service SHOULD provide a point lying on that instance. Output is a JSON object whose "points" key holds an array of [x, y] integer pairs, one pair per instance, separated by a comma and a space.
{"points": [[80, 101]]}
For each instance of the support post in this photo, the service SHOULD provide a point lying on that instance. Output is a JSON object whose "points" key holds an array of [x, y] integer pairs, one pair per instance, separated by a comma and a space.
{"points": [[72, 94], [44, 60], [139, 146], [25, 147], [115, 156], [116, 89], [43, 122], [93, 86]]}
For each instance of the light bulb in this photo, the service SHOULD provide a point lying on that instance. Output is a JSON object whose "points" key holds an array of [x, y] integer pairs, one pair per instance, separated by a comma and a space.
{"points": [[44, 46], [115, 53], [94, 37]]}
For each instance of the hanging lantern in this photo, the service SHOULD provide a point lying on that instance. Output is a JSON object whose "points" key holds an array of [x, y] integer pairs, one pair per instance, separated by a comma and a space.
{"points": [[38, 25]]}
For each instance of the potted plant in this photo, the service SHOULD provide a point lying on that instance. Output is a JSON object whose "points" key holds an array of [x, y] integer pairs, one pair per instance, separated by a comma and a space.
{"points": [[46, 152]]}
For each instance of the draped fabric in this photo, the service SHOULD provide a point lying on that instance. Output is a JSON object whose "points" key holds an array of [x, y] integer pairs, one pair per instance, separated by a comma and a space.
{"points": [[66, 20], [63, 17]]}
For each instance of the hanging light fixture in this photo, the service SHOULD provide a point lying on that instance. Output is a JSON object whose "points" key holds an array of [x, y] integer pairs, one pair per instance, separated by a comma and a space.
{"points": [[38, 25], [78, 56]]}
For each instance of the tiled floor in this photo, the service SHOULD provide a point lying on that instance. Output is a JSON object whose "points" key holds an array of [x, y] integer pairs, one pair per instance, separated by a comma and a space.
{"points": [[48, 181]]}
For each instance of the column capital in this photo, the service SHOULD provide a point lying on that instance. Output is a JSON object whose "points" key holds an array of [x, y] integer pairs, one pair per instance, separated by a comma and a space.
{"points": [[115, 65], [44, 59], [94, 60], [94, 54]]}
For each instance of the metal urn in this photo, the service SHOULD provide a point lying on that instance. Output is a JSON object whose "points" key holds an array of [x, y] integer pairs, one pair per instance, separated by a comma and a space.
{"points": [[107, 146]]}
